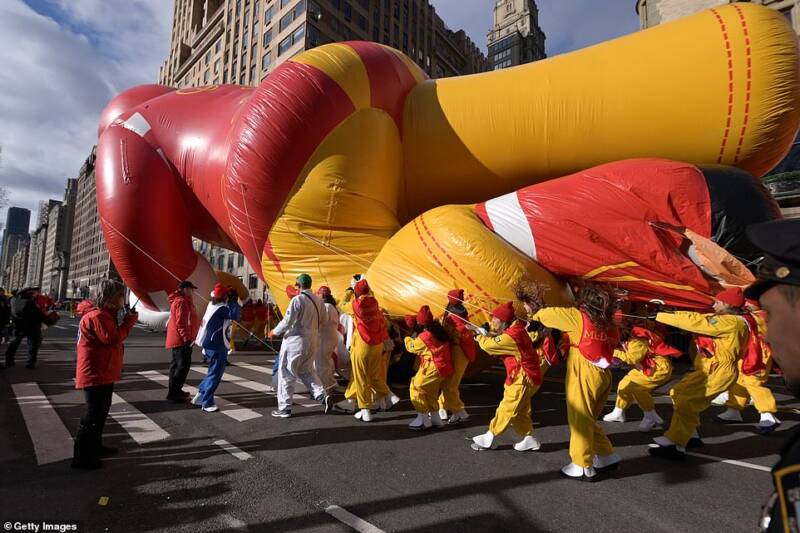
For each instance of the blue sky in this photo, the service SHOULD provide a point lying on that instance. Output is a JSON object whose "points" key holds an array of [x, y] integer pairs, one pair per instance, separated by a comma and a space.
{"points": [[63, 60]]}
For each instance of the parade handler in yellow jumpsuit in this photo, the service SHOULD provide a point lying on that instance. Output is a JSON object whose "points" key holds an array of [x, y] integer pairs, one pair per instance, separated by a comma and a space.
{"points": [[648, 354], [370, 338], [510, 340], [435, 365], [593, 337], [720, 338], [754, 385], [462, 349]]}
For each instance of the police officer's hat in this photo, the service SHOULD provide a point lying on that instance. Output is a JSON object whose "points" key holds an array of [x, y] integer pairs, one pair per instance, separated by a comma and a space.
{"points": [[780, 242]]}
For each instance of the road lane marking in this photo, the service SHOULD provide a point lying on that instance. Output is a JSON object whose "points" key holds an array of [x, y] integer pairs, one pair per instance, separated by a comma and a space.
{"points": [[255, 386], [227, 408], [139, 426], [346, 517], [52, 441], [232, 522], [731, 462], [254, 368], [233, 450]]}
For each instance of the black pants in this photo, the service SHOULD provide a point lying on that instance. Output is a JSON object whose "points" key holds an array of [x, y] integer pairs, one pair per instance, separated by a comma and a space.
{"points": [[89, 438], [34, 337], [179, 369]]}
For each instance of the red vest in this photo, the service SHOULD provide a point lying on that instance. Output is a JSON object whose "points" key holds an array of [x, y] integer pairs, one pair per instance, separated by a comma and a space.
{"points": [[528, 360], [656, 347], [369, 320], [440, 352], [752, 357], [248, 313], [596, 346], [467, 341]]}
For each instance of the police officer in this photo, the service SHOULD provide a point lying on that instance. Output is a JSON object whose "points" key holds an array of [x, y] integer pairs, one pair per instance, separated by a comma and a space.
{"points": [[778, 291]]}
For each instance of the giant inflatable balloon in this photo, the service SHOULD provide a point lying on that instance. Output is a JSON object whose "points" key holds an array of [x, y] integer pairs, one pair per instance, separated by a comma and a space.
{"points": [[347, 159]]}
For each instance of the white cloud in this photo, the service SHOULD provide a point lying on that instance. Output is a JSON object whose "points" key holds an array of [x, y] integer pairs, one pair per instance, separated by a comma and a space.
{"points": [[61, 63]]}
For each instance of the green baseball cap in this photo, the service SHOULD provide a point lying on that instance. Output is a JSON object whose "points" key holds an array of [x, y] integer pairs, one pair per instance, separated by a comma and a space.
{"points": [[304, 280]]}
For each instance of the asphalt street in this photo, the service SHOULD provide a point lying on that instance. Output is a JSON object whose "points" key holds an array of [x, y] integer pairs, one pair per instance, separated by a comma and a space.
{"points": [[239, 469]]}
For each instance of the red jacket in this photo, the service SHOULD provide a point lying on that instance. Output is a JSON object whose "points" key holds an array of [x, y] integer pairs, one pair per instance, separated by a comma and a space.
{"points": [[100, 347], [183, 322]]}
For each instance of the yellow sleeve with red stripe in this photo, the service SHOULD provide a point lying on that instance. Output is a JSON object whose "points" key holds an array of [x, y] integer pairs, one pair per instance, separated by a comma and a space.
{"points": [[498, 346], [701, 324], [416, 346], [566, 319], [634, 352]]}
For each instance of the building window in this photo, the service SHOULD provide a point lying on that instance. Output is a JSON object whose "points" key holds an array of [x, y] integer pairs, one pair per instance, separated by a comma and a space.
{"points": [[241, 256], [216, 66], [267, 37], [284, 3], [268, 14], [291, 16], [266, 61], [230, 263], [313, 36], [218, 47], [348, 11], [336, 3], [362, 21], [220, 262], [314, 11], [294, 38], [252, 282]]}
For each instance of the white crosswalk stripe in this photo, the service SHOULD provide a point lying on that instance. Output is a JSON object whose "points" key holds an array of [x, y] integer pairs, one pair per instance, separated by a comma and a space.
{"points": [[255, 386], [299, 387], [51, 439], [139, 426], [230, 409], [233, 450]]}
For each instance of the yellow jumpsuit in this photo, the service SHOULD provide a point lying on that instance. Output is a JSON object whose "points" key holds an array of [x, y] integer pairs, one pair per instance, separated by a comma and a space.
{"points": [[587, 389], [367, 375], [636, 386], [515, 407], [754, 386], [425, 385], [712, 375], [450, 398]]}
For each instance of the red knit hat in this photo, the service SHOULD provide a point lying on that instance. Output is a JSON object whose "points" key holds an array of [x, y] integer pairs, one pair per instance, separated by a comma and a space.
{"points": [[733, 297], [324, 290], [504, 313], [455, 297], [362, 288], [220, 291], [411, 321], [424, 315]]}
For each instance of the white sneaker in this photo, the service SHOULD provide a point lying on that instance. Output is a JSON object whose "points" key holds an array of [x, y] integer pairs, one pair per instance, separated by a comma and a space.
{"points": [[721, 399], [664, 442], [436, 420], [211, 409], [196, 399], [529, 442], [364, 415], [617, 415], [768, 423], [730, 415], [573, 471], [390, 400], [483, 442], [650, 421], [348, 405], [603, 463], [419, 423], [461, 416], [443, 414]]}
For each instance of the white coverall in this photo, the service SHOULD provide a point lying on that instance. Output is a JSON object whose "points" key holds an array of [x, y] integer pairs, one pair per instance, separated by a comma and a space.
{"points": [[300, 328], [329, 338]]}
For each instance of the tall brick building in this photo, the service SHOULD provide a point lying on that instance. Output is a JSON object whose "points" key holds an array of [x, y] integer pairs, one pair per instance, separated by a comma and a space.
{"points": [[240, 41]]}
